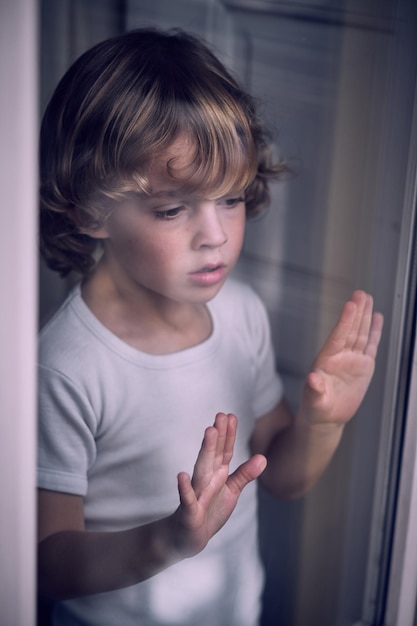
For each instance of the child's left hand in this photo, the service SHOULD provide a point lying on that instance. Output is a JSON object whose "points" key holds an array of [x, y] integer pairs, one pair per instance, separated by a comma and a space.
{"points": [[343, 369]]}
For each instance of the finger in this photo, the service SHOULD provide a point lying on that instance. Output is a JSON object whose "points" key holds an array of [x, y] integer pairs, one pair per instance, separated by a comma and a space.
{"points": [[360, 342], [336, 341], [360, 299], [375, 335], [203, 468], [230, 438], [245, 473], [186, 492], [221, 425]]}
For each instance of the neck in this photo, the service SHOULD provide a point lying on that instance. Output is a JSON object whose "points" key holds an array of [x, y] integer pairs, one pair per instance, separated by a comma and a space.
{"points": [[144, 319]]}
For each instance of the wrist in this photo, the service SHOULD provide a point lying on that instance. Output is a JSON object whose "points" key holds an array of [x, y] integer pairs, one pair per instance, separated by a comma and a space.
{"points": [[155, 548], [185, 542], [167, 541]]}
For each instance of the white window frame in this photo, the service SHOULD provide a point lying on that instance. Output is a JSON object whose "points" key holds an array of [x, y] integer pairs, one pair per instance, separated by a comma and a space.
{"points": [[18, 311]]}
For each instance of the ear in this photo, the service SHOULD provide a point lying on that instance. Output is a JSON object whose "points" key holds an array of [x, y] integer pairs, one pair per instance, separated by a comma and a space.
{"points": [[94, 226], [96, 233], [92, 222]]}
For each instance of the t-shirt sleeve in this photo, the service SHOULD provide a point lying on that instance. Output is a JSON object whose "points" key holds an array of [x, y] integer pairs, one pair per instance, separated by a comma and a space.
{"points": [[268, 386], [66, 443]]}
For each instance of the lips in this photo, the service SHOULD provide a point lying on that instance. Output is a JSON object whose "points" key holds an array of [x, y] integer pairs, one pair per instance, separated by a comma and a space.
{"points": [[209, 274], [210, 268]]}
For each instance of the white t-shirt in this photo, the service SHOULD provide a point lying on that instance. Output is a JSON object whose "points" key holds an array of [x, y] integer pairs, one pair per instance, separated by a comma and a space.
{"points": [[116, 426]]}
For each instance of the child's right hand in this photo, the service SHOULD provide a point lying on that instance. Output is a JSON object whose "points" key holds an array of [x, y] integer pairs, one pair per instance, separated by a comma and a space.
{"points": [[208, 499]]}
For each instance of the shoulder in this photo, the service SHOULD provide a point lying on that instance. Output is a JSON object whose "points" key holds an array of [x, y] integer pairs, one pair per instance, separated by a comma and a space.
{"points": [[64, 337], [58, 321]]}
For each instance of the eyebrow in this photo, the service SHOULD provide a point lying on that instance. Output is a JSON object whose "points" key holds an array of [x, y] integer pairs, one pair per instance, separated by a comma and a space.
{"points": [[181, 192], [165, 193]]}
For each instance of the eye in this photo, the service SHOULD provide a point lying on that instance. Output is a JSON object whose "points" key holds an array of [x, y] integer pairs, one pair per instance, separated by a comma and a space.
{"points": [[231, 203], [168, 214]]}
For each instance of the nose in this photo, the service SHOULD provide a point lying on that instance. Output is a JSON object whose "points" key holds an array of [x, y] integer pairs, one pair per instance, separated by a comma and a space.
{"points": [[209, 228]]}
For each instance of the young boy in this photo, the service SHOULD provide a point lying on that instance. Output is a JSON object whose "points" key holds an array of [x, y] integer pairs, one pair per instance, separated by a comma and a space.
{"points": [[152, 157]]}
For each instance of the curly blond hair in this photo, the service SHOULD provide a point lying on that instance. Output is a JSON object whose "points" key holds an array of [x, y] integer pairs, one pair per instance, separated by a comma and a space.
{"points": [[120, 105]]}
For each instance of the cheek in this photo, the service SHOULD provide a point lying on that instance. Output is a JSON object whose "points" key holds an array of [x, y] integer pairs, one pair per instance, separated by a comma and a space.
{"points": [[238, 234], [151, 256]]}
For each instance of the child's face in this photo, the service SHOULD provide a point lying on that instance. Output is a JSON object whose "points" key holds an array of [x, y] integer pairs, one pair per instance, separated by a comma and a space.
{"points": [[174, 243]]}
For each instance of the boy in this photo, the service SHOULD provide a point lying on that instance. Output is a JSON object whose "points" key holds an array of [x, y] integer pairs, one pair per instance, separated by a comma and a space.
{"points": [[152, 157]]}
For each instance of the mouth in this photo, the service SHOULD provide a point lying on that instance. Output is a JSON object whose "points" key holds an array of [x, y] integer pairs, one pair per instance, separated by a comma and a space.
{"points": [[209, 274], [210, 268]]}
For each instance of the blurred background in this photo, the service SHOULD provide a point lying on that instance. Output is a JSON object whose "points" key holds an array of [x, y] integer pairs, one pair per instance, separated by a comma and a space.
{"points": [[337, 80]]}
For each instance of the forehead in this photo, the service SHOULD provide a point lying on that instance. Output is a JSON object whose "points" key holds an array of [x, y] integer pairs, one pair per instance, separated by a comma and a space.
{"points": [[181, 168], [175, 162]]}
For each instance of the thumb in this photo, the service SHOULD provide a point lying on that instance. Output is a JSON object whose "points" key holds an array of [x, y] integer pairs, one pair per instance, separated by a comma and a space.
{"points": [[245, 473], [315, 384]]}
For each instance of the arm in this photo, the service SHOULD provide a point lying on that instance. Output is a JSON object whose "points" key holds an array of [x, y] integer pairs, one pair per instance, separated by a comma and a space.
{"points": [[299, 448], [73, 562]]}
